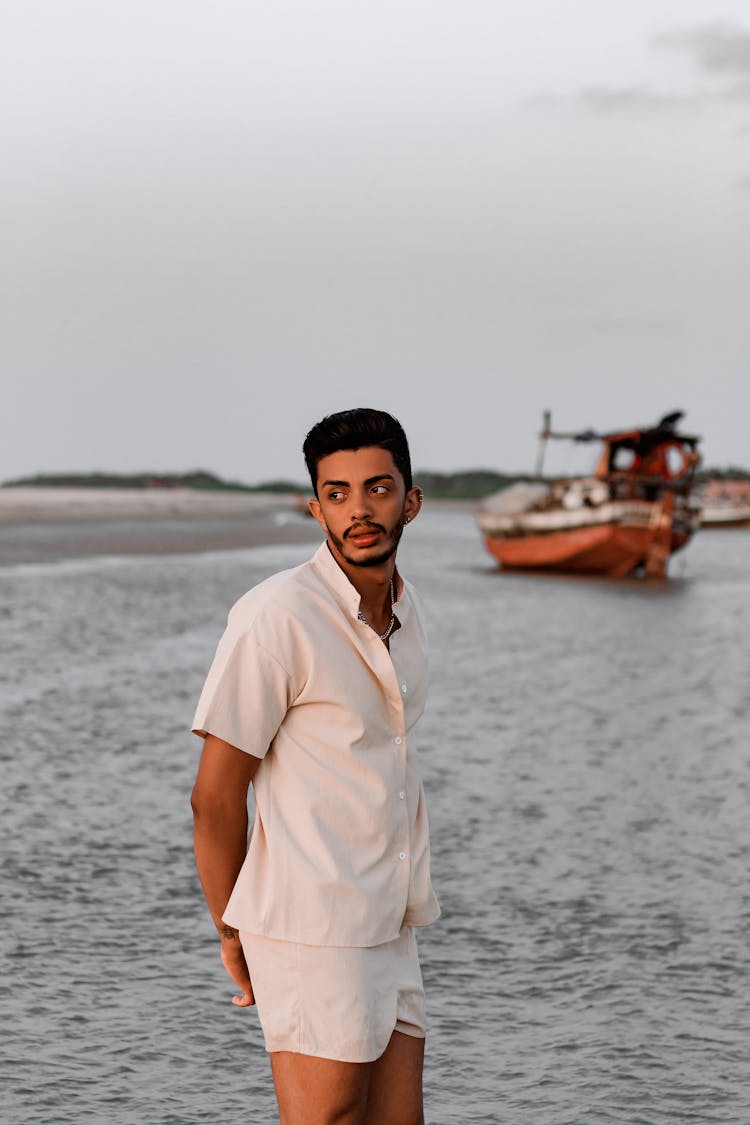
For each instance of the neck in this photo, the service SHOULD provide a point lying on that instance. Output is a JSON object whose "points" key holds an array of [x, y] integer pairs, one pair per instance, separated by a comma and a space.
{"points": [[372, 583]]}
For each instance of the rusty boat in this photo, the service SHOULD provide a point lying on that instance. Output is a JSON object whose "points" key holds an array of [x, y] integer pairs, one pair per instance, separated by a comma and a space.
{"points": [[628, 518]]}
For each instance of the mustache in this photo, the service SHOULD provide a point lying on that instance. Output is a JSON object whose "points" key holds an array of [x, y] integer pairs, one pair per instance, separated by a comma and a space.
{"points": [[358, 528]]}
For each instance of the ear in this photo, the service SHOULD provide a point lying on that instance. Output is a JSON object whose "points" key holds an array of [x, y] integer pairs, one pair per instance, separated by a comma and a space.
{"points": [[412, 504], [315, 510]]}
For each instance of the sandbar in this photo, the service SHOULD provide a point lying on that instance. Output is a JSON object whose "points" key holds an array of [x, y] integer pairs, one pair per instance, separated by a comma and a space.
{"points": [[47, 524]]}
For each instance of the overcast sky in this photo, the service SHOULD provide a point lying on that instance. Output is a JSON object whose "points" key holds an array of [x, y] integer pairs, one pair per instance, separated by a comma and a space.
{"points": [[223, 220]]}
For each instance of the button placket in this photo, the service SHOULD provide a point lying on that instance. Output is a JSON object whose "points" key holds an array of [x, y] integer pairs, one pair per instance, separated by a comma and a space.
{"points": [[398, 740]]}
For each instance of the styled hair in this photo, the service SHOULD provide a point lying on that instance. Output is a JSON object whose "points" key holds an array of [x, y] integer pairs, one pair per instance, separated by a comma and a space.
{"points": [[355, 429]]}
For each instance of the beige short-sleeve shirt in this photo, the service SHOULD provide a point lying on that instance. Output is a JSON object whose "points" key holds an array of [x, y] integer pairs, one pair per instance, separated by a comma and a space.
{"points": [[339, 850]]}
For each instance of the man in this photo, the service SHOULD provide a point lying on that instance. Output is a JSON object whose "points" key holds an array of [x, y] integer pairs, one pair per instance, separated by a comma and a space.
{"points": [[313, 696]]}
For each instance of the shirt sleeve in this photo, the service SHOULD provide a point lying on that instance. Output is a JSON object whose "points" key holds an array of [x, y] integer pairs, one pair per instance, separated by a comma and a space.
{"points": [[246, 695]]}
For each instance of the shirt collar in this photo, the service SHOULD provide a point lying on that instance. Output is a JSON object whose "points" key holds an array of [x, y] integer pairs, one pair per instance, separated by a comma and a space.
{"points": [[337, 581]]}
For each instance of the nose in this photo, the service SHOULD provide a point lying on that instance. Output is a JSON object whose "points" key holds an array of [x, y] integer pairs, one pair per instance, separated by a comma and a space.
{"points": [[361, 509]]}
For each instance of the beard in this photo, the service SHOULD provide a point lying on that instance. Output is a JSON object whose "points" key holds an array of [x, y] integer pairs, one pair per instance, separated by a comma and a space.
{"points": [[394, 537]]}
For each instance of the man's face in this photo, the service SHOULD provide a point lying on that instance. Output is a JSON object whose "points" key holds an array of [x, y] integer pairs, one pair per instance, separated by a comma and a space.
{"points": [[362, 504]]}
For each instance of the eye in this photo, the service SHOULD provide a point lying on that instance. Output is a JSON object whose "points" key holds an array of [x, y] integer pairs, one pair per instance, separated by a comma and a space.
{"points": [[380, 489], [335, 494]]}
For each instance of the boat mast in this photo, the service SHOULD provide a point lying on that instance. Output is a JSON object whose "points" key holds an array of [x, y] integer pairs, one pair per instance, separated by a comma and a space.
{"points": [[543, 437]]}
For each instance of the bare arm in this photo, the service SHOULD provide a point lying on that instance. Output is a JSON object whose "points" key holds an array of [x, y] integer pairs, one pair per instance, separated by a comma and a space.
{"points": [[219, 802]]}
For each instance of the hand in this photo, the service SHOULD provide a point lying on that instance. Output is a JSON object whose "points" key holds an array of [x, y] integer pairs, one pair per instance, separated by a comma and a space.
{"points": [[233, 960]]}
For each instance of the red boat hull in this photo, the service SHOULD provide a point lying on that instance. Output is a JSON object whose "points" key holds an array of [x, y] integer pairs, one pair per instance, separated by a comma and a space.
{"points": [[607, 549]]}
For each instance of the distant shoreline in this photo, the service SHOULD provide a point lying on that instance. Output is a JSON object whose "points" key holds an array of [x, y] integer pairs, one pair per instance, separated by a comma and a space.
{"points": [[47, 525], [40, 525], [468, 484], [143, 495], [34, 505]]}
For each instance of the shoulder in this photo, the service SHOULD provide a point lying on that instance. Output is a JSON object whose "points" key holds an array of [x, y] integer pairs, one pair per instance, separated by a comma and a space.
{"points": [[280, 610], [276, 595]]}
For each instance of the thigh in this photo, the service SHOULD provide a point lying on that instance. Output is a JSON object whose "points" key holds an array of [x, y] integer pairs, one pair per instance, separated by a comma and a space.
{"points": [[395, 1088], [316, 1091]]}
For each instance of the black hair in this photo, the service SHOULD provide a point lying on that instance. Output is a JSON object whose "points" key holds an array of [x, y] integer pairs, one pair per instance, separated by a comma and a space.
{"points": [[355, 429]]}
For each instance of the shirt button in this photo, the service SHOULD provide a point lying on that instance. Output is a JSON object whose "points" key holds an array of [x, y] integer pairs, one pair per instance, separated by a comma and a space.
{"points": [[402, 855], [397, 740], [403, 688], [402, 794]]}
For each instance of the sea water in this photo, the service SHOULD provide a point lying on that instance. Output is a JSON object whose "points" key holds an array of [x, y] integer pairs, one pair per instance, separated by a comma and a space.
{"points": [[586, 756]]}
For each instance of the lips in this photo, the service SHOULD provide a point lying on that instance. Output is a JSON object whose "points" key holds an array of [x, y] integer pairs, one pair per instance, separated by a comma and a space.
{"points": [[363, 536]]}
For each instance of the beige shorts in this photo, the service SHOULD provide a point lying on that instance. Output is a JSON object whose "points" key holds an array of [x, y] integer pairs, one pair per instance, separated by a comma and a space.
{"points": [[336, 1002]]}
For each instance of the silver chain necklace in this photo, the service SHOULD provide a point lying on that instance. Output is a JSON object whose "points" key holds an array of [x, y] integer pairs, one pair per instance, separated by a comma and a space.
{"points": [[389, 629]]}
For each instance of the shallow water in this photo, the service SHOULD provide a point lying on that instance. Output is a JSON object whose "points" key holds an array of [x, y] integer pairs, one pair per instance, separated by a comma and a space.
{"points": [[587, 762]]}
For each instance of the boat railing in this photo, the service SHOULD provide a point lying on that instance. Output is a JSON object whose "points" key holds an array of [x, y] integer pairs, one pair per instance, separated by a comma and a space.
{"points": [[617, 485], [629, 485]]}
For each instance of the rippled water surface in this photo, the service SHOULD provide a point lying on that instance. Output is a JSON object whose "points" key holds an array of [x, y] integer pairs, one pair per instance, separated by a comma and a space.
{"points": [[586, 753]]}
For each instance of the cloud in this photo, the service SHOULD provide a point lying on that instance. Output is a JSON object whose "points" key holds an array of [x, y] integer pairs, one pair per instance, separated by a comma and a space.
{"points": [[616, 99], [718, 48], [623, 100], [641, 99]]}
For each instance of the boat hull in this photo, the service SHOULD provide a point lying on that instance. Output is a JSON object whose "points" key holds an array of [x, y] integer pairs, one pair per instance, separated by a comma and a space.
{"points": [[725, 517], [611, 549]]}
